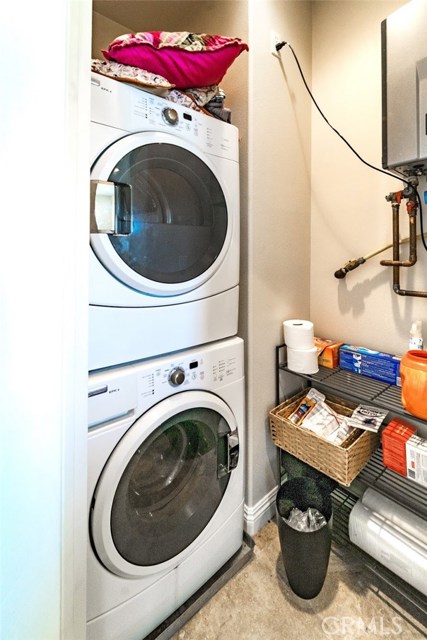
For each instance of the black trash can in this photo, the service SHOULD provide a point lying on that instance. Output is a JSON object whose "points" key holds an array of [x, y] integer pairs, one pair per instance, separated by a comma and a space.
{"points": [[305, 553]]}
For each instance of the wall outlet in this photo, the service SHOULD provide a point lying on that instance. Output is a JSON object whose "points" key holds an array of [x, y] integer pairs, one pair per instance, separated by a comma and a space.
{"points": [[274, 39]]}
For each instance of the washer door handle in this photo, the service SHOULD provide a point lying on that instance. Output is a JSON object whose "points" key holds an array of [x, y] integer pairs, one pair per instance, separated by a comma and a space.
{"points": [[230, 453], [110, 208], [233, 450]]}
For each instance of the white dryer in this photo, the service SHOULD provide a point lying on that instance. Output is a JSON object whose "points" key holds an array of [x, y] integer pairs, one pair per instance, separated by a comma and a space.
{"points": [[164, 243], [166, 484]]}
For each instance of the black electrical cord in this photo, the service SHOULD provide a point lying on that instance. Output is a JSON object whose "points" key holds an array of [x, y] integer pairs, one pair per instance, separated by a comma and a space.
{"points": [[421, 222], [280, 46]]}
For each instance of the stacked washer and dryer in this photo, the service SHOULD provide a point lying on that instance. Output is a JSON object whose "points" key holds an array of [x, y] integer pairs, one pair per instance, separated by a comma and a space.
{"points": [[166, 379]]}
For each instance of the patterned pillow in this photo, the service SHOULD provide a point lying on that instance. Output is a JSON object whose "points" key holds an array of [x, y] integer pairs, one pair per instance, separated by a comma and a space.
{"points": [[185, 59], [127, 73]]}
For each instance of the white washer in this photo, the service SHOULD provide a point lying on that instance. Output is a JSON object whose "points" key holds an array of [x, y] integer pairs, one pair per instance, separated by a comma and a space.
{"points": [[164, 256], [166, 484]]}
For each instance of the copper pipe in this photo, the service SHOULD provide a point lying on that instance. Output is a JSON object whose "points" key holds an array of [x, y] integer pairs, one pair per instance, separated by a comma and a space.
{"points": [[412, 255], [397, 262], [396, 250], [408, 292]]}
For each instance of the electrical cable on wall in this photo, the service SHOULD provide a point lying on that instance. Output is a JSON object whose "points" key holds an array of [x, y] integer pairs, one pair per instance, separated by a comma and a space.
{"points": [[281, 45]]}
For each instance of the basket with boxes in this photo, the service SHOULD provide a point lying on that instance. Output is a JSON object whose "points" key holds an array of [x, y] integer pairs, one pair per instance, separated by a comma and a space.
{"points": [[326, 443]]}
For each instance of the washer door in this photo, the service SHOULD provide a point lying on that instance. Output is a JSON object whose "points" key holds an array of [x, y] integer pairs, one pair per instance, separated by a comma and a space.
{"points": [[179, 228], [163, 484]]}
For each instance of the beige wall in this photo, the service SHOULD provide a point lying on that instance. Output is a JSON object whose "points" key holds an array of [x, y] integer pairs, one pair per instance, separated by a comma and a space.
{"points": [[350, 217], [278, 233]]}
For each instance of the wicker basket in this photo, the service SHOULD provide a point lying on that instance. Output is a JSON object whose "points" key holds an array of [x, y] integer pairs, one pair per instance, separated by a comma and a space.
{"points": [[341, 462]]}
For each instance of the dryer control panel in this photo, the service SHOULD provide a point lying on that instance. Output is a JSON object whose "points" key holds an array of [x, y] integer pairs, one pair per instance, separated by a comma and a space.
{"points": [[123, 106]]}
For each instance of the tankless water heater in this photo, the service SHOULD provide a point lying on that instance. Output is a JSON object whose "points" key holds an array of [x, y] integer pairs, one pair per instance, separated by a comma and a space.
{"points": [[404, 88]]}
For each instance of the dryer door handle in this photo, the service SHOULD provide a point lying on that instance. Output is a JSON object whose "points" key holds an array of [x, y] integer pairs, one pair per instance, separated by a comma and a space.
{"points": [[110, 208]]}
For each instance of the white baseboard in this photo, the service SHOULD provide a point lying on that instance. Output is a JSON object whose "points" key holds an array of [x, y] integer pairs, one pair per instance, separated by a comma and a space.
{"points": [[258, 515]]}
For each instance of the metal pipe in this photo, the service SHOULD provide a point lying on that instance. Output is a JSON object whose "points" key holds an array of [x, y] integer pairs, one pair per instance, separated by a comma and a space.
{"points": [[408, 292], [395, 198], [412, 255], [396, 261], [353, 264]]}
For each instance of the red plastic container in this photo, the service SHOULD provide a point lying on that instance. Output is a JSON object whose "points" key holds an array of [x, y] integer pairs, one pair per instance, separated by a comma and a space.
{"points": [[413, 373]]}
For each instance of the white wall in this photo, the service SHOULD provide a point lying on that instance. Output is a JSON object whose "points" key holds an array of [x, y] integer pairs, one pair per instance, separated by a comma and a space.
{"points": [[350, 217], [43, 303]]}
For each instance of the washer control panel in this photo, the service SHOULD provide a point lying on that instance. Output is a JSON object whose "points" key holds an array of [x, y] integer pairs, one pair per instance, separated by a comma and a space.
{"points": [[136, 387], [209, 369]]}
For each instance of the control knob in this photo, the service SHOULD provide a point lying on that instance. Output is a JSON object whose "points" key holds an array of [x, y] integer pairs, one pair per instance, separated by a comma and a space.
{"points": [[177, 376], [170, 116]]}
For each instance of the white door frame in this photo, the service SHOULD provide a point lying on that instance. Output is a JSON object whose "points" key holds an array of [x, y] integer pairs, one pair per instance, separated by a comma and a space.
{"points": [[44, 132]]}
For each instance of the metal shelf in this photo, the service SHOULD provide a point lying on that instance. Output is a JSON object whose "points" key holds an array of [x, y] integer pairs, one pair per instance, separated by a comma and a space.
{"points": [[405, 492], [401, 490], [351, 385]]}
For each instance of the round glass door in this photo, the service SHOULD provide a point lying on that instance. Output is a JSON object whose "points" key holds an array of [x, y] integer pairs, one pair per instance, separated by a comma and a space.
{"points": [[179, 217], [170, 489], [163, 483]]}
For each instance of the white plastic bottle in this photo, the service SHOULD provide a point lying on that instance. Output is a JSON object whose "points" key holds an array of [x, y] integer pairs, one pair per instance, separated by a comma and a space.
{"points": [[416, 335]]}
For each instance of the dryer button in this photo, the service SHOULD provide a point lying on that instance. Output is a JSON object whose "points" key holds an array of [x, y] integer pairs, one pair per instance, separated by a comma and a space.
{"points": [[170, 116], [177, 376]]}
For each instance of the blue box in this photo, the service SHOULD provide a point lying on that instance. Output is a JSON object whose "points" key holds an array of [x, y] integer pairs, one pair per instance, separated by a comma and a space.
{"points": [[373, 364]]}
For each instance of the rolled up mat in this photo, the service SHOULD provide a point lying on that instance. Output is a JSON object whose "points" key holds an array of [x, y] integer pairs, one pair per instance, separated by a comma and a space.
{"points": [[411, 524], [389, 545]]}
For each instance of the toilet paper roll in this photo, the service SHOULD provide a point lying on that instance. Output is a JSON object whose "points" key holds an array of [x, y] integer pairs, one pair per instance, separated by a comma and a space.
{"points": [[302, 360], [298, 334]]}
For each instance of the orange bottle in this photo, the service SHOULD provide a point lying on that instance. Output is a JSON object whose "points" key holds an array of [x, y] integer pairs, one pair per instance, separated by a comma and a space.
{"points": [[413, 373]]}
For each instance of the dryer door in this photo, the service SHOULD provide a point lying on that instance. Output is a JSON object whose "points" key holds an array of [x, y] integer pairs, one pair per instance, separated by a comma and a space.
{"points": [[177, 226], [163, 484]]}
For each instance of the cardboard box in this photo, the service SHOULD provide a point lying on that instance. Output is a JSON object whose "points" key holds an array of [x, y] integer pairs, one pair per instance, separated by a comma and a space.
{"points": [[328, 352], [373, 364], [416, 459], [393, 439]]}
